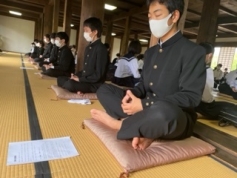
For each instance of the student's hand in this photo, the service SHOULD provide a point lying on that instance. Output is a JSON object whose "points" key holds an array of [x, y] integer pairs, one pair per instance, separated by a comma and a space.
{"points": [[47, 67], [40, 56], [234, 90], [74, 77], [131, 104]]}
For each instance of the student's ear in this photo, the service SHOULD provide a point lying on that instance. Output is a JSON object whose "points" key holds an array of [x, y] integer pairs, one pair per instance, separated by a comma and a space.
{"points": [[95, 32], [175, 16]]}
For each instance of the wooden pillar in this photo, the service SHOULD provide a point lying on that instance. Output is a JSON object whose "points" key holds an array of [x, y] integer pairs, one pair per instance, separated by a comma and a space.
{"points": [[108, 32], [56, 6], [183, 18], [208, 24], [67, 17], [91, 8], [154, 40], [135, 36], [125, 39], [48, 19], [36, 35]]}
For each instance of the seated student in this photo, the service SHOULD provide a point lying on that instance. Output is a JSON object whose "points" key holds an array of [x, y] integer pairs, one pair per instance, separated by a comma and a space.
{"points": [[32, 48], [34, 51], [162, 105], [65, 65], [126, 73], [208, 107], [115, 60], [218, 75], [140, 62], [95, 62], [54, 53], [47, 51], [229, 86], [40, 46]]}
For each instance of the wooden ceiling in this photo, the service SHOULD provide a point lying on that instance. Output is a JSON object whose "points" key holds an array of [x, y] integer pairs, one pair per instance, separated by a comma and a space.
{"points": [[227, 19]]}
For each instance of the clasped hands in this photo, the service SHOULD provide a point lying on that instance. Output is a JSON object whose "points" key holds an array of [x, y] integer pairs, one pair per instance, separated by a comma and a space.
{"points": [[131, 104]]}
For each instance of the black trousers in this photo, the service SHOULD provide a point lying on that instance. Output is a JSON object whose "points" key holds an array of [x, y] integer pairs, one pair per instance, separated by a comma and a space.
{"points": [[54, 72], [39, 60], [225, 89], [162, 120], [74, 86], [212, 110]]}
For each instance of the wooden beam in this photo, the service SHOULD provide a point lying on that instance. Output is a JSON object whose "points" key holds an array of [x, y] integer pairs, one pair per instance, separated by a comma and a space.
{"points": [[67, 17], [55, 15], [208, 24], [109, 30], [228, 11], [124, 42], [19, 7], [131, 13]]}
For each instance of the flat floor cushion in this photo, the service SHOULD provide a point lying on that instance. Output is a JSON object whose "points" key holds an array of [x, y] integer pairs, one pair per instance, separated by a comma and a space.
{"points": [[65, 94], [159, 152]]}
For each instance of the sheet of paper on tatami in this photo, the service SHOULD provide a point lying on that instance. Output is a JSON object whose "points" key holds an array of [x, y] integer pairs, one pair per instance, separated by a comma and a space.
{"points": [[60, 119]]}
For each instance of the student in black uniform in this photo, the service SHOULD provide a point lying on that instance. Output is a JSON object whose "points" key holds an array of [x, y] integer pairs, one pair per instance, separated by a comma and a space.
{"points": [[208, 107], [162, 105], [95, 62], [65, 65], [53, 59], [47, 51]]}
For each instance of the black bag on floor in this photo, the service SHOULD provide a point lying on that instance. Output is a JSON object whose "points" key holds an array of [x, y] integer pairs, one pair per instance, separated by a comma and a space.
{"points": [[228, 116]]}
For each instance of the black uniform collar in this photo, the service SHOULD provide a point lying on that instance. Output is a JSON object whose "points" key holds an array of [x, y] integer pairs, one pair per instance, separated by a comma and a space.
{"points": [[63, 47], [95, 42], [170, 41]]}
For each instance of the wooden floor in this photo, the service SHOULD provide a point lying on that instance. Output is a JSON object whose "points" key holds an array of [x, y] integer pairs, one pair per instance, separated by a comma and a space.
{"points": [[58, 119]]}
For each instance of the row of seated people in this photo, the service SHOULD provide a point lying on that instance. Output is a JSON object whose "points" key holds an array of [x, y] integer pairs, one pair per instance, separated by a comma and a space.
{"points": [[161, 105]]}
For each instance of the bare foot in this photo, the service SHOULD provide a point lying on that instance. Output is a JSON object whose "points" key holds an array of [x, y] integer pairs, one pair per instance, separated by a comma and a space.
{"points": [[106, 119], [80, 93], [141, 143]]}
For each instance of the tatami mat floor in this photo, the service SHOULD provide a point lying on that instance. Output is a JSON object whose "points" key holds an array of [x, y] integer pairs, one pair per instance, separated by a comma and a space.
{"points": [[58, 119]]}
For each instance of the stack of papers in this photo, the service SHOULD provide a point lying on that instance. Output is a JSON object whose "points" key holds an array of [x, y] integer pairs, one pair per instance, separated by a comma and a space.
{"points": [[80, 101]]}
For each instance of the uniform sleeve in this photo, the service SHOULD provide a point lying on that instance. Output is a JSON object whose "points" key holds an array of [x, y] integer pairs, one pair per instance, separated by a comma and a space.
{"points": [[100, 67], [192, 80], [65, 61], [53, 55], [134, 68]]}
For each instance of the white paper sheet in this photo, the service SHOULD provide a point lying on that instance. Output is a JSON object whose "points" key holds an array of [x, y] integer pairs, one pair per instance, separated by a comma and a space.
{"points": [[40, 150], [80, 101], [30, 68]]}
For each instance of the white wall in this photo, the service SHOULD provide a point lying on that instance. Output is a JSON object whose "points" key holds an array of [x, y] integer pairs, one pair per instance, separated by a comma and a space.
{"points": [[73, 35], [17, 34], [116, 47]]}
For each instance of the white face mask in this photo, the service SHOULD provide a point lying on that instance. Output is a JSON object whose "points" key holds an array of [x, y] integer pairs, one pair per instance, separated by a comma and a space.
{"points": [[58, 44], [160, 27], [87, 37], [52, 41]]}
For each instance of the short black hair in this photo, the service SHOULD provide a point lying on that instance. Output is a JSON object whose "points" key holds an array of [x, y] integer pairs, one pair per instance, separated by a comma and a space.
{"points": [[171, 5], [118, 54], [36, 40], [219, 65], [107, 45], [53, 35], [47, 36], [94, 24], [135, 47], [208, 47], [41, 42], [63, 35]]}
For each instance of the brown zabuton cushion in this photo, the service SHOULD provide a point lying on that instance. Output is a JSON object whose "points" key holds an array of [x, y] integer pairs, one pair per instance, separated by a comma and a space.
{"points": [[65, 94], [159, 152]]}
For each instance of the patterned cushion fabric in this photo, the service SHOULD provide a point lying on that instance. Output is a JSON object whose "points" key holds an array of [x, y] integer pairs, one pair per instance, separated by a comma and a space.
{"points": [[159, 152], [65, 94]]}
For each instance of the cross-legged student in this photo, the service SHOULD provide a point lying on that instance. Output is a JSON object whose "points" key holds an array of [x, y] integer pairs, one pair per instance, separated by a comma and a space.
{"points": [[54, 53], [162, 105], [95, 62], [127, 73], [208, 107], [47, 51], [65, 65]]}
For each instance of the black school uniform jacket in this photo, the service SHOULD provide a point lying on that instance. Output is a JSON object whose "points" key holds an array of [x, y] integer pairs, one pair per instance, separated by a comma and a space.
{"points": [[174, 72], [66, 61], [95, 63], [47, 50], [54, 55]]}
